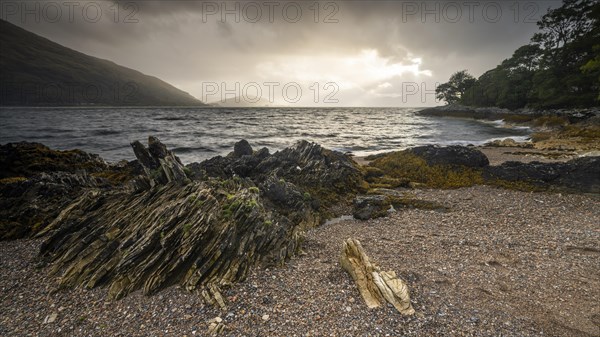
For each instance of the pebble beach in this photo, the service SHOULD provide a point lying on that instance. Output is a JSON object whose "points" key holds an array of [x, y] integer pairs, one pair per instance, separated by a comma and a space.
{"points": [[498, 262]]}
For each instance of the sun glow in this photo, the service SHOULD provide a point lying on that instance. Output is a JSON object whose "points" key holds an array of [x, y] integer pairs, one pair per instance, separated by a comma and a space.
{"points": [[364, 70]]}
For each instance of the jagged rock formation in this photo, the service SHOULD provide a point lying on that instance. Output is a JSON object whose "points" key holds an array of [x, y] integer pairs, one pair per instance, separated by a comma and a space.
{"points": [[36, 183], [322, 176], [203, 233], [375, 286]]}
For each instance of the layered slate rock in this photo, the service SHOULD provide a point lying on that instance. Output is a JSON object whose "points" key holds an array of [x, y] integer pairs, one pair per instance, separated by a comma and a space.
{"points": [[323, 176], [37, 182], [202, 233]]}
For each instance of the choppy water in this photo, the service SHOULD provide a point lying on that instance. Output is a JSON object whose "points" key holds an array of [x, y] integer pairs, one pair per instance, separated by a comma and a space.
{"points": [[196, 134]]}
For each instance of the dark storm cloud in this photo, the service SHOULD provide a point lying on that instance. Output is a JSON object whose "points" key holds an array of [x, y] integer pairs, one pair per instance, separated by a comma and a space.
{"points": [[187, 42]]}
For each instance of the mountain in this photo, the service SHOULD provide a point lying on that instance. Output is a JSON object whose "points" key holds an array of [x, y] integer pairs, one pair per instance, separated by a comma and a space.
{"points": [[38, 72]]}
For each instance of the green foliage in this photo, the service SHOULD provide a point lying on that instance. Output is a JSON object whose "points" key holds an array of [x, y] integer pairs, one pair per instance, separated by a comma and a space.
{"points": [[559, 68], [254, 189], [455, 88]]}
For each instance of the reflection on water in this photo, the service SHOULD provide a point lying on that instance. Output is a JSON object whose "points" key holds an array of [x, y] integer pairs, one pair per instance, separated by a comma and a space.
{"points": [[199, 133]]}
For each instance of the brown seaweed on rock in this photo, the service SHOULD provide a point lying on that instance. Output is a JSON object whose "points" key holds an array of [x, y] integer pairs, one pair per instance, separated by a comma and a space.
{"points": [[38, 182], [201, 233]]}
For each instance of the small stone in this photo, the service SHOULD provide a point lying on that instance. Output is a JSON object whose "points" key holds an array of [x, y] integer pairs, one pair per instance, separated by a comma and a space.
{"points": [[265, 317], [50, 318], [348, 309], [218, 319]]}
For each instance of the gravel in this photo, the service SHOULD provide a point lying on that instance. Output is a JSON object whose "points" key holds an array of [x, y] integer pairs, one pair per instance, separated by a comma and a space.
{"points": [[498, 263]]}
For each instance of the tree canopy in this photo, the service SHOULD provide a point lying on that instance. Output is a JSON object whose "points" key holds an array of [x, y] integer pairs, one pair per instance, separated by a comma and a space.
{"points": [[559, 68]]}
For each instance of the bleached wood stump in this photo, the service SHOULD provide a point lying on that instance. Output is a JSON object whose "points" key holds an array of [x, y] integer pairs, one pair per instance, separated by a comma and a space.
{"points": [[375, 286]]}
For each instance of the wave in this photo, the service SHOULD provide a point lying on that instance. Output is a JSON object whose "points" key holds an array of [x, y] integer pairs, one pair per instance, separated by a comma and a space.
{"points": [[192, 149]]}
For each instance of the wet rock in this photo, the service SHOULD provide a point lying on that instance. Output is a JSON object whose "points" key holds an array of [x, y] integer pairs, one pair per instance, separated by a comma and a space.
{"points": [[144, 157], [451, 155], [534, 172], [582, 174], [242, 148], [579, 175], [157, 149], [325, 176], [160, 165], [37, 183], [371, 206]]}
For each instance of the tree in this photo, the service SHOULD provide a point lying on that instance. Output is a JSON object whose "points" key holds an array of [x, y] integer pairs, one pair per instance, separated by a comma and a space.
{"points": [[456, 87]]}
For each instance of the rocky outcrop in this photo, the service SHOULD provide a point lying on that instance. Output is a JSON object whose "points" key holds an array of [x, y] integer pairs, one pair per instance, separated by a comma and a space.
{"points": [[577, 175], [323, 177], [202, 227], [451, 156], [457, 110], [459, 166], [37, 182], [375, 286], [27, 159], [494, 113], [160, 165]]}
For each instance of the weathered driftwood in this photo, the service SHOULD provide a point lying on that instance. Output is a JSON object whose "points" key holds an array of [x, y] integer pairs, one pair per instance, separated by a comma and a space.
{"points": [[375, 286]]}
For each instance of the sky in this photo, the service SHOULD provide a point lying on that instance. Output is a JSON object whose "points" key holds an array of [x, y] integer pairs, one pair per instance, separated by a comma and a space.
{"points": [[292, 53]]}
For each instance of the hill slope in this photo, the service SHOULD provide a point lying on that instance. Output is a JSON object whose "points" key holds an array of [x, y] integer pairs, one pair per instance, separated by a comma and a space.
{"points": [[38, 72]]}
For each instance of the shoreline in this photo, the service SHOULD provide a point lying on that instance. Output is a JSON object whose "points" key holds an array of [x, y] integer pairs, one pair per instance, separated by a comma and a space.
{"points": [[489, 260]]}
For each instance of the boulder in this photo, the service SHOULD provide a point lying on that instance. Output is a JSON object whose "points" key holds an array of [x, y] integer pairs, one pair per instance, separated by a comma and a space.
{"points": [[581, 174], [371, 206], [451, 155], [242, 148], [576, 175]]}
